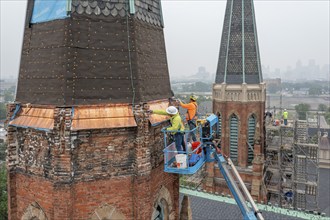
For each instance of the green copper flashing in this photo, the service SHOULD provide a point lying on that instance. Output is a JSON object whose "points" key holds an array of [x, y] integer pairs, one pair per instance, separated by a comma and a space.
{"points": [[256, 40], [69, 6], [131, 7], [228, 40], [268, 208], [243, 43], [161, 13]]}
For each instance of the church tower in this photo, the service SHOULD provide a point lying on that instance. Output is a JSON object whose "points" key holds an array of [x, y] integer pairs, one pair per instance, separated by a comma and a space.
{"points": [[81, 144], [239, 98]]}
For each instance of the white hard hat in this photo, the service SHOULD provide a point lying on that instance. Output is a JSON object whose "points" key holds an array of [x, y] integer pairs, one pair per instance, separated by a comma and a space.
{"points": [[285, 109], [171, 110]]}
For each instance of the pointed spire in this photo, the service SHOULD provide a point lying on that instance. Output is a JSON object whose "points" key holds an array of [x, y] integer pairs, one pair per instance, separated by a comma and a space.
{"points": [[185, 213], [239, 59]]}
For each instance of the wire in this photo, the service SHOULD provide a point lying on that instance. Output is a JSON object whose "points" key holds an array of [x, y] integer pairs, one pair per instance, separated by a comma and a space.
{"points": [[129, 58]]}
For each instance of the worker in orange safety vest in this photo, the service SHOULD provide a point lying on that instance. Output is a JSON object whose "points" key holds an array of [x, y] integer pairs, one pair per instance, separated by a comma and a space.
{"points": [[191, 115]]}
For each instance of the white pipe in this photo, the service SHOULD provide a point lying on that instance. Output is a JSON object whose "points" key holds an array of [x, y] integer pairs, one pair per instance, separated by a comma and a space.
{"points": [[245, 190]]}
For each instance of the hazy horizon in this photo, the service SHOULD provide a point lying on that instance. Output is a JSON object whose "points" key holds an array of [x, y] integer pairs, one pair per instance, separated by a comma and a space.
{"points": [[288, 31]]}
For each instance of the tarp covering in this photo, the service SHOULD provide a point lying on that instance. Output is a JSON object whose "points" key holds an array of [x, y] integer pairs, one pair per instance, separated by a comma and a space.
{"points": [[47, 10]]}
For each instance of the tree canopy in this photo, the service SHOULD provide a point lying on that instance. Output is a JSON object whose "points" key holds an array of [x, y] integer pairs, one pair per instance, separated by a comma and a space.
{"points": [[301, 110]]}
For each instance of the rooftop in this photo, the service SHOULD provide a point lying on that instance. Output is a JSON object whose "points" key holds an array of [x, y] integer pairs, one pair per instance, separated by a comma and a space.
{"points": [[209, 206]]}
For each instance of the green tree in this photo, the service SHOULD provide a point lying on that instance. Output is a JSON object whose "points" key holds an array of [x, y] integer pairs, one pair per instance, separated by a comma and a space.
{"points": [[3, 111], [327, 116], [322, 107], [203, 87], [8, 96], [273, 88], [2, 152], [301, 110], [3, 192], [315, 90]]}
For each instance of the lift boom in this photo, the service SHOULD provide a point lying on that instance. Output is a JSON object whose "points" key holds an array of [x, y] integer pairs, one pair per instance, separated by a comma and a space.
{"points": [[247, 213], [209, 135]]}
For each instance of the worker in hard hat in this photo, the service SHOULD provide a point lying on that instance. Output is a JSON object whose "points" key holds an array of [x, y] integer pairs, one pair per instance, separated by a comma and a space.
{"points": [[285, 117], [176, 125], [191, 115]]}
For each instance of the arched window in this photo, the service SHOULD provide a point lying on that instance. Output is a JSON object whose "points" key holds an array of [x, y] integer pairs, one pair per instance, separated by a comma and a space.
{"points": [[161, 212], [233, 142], [34, 212], [162, 206], [251, 132]]}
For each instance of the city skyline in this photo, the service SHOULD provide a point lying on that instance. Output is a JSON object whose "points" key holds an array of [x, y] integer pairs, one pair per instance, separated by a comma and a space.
{"points": [[193, 40]]}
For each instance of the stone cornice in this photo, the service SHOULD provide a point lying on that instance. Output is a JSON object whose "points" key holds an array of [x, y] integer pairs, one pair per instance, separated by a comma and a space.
{"points": [[239, 92]]}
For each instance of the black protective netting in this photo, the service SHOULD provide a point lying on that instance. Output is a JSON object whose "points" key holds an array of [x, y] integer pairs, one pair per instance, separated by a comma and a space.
{"points": [[88, 59]]}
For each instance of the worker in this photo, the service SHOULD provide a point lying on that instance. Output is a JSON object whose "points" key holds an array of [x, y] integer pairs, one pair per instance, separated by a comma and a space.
{"points": [[285, 117], [268, 117], [176, 125], [191, 115]]}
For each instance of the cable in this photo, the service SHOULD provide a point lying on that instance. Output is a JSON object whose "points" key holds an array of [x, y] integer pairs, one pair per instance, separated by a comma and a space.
{"points": [[130, 59]]}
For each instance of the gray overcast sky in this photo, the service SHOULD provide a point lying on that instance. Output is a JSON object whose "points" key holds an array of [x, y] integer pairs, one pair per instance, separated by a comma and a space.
{"points": [[287, 31]]}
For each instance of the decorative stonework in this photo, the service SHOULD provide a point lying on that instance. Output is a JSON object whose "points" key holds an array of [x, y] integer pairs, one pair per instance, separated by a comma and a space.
{"points": [[107, 212], [239, 93], [163, 193], [34, 211]]}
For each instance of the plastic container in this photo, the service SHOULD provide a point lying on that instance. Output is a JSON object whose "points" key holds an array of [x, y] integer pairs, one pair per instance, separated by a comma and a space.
{"points": [[195, 145], [181, 161]]}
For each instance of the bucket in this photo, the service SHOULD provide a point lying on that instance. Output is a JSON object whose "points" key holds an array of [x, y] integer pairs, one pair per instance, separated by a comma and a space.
{"points": [[181, 161], [195, 145]]}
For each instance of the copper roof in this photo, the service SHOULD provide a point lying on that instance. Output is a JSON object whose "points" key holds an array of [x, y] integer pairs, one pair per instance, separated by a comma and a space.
{"points": [[98, 117], [87, 117], [156, 119], [32, 117]]}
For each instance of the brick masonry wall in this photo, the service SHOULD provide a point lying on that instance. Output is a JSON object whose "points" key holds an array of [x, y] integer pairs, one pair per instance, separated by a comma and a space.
{"points": [[70, 174], [103, 153], [79, 200], [242, 110]]}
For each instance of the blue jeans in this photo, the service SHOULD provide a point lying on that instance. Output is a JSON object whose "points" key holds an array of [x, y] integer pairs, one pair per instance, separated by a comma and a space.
{"points": [[285, 121], [179, 141]]}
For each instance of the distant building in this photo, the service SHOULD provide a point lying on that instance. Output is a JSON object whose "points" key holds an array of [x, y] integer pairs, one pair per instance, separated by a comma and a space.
{"points": [[201, 74], [273, 82], [301, 91]]}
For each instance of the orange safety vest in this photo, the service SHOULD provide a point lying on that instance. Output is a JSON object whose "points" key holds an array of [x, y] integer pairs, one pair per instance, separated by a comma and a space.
{"points": [[191, 110]]}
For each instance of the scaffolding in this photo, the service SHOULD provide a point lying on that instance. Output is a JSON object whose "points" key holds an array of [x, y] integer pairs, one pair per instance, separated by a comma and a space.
{"points": [[306, 170], [279, 165], [291, 168]]}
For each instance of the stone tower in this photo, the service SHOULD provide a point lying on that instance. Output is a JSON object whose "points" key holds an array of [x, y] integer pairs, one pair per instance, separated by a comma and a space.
{"points": [[81, 144], [239, 98]]}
